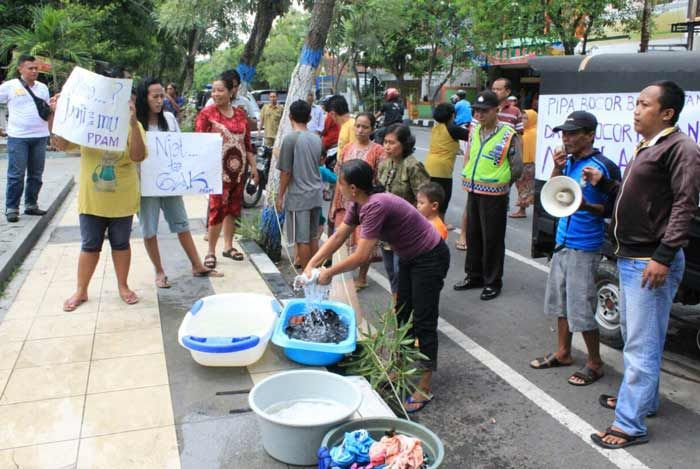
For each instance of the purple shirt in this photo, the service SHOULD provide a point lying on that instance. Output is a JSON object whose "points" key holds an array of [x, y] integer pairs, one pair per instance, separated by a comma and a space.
{"points": [[391, 219]]}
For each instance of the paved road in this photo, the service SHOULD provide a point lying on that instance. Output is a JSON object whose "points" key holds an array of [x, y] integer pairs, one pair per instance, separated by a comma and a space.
{"points": [[493, 411]]}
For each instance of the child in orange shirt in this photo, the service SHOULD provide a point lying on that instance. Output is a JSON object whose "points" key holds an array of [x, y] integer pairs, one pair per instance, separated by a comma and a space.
{"points": [[429, 199]]}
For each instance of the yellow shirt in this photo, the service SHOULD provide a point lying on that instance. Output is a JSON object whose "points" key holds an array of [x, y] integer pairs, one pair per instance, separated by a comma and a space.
{"points": [[442, 152], [271, 117], [530, 137], [347, 134], [109, 182]]}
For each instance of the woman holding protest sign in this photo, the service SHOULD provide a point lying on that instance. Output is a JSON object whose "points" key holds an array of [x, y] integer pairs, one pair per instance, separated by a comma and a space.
{"points": [[150, 113], [237, 153], [107, 201]]}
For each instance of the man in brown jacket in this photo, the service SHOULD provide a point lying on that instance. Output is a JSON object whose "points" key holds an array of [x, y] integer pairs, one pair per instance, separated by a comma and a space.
{"points": [[655, 205]]}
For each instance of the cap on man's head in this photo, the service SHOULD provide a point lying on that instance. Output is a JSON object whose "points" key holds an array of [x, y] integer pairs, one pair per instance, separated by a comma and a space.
{"points": [[486, 100], [578, 120]]}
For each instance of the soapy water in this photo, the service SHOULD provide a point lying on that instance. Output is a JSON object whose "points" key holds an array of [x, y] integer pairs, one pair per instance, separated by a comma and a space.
{"points": [[314, 293], [307, 411], [322, 326]]}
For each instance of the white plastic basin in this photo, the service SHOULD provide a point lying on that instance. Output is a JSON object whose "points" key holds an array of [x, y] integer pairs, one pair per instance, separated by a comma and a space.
{"points": [[231, 329]]}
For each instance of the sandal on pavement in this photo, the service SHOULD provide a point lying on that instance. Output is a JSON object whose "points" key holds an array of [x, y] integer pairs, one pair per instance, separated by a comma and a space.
{"points": [[131, 298], [549, 361], [517, 215], [421, 404], [460, 246], [209, 261], [603, 401], [587, 375], [233, 254], [208, 273], [361, 286], [630, 440], [162, 282], [71, 304]]}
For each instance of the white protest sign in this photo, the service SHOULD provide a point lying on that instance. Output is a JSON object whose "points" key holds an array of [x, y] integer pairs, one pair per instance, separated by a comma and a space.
{"points": [[182, 163], [615, 136], [93, 110]]}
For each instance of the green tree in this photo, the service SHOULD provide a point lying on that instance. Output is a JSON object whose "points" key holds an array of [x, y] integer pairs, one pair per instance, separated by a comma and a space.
{"points": [[53, 33], [205, 71], [280, 55]]}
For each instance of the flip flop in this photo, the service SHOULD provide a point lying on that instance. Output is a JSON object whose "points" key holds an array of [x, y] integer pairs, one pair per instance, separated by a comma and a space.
{"points": [[549, 361], [517, 215], [603, 401], [361, 286], [163, 283], [130, 299], [587, 375], [69, 305], [630, 440], [208, 273], [209, 261], [233, 254], [421, 404], [460, 246]]}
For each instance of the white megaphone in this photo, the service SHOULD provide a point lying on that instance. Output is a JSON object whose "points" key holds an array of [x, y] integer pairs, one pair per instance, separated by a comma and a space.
{"points": [[561, 196]]}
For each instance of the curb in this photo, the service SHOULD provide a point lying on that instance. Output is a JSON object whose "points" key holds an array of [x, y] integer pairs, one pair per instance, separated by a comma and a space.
{"points": [[422, 122], [24, 243], [267, 270]]}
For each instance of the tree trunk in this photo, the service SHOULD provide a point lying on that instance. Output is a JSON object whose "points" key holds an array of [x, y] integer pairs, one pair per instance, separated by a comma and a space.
{"points": [[589, 26], [339, 73], [448, 76], [302, 81], [356, 74], [431, 68], [265, 15], [194, 37], [646, 26]]}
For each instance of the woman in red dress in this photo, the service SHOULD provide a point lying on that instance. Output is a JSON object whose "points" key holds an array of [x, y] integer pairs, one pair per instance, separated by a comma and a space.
{"points": [[232, 124]]}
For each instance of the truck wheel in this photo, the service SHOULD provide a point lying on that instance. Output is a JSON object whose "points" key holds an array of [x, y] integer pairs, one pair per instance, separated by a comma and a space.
{"points": [[607, 312]]}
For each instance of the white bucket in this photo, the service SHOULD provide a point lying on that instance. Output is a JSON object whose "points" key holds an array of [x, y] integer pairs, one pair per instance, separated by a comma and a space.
{"points": [[287, 439]]}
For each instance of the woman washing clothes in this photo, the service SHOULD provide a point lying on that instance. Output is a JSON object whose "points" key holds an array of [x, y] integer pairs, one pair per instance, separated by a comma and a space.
{"points": [[424, 259], [361, 149]]}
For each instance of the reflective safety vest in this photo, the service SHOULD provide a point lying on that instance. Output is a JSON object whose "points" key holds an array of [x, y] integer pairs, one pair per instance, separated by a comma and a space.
{"points": [[488, 169]]}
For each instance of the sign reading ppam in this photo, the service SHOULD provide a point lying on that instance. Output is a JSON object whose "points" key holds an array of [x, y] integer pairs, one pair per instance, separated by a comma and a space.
{"points": [[93, 110], [615, 136], [182, 163]]}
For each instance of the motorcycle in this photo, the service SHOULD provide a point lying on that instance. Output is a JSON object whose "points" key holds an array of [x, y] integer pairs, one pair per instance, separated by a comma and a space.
{"points": [[253, 192]]}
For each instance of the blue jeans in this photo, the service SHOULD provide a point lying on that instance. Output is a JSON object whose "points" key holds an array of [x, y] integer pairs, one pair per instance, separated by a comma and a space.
{"points": [[25, 155], [644, 320]]}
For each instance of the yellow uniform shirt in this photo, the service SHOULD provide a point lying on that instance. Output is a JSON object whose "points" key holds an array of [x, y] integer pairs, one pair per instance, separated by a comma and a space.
{"points": [[347, 134], [271, 117], [442, 152]]}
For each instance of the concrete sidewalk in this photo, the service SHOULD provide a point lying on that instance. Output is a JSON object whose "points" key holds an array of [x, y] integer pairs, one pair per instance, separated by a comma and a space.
{"points": [[108, 386]]}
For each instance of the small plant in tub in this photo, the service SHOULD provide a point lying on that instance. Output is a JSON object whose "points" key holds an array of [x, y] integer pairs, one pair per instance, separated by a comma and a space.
{"points": [[387, 358]]}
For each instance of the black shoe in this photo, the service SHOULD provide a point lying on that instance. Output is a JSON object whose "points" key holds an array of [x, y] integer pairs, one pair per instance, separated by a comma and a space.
{"points": [[489, 293], [34, 211], [468, 284], [12, 217]]}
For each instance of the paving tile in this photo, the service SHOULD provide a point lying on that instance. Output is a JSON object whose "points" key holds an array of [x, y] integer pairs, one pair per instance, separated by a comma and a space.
{"points": [[128, 343], [152, 448], [34, 423], [121, 411], [273, 360], [53, 351], [9, 351], [110, 300], [66, 325], [46, 382], [23, 309], [4, 375], [14, 329], [63, 454], [116, 374], [131, 319], [58, 292]]}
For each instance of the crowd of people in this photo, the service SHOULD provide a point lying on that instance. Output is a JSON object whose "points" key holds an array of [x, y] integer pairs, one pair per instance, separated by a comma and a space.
{"points": [[388, 206]]}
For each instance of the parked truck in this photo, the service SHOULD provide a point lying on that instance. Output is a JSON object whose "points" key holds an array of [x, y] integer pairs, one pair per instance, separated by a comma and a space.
{"points": [[607, 85]]}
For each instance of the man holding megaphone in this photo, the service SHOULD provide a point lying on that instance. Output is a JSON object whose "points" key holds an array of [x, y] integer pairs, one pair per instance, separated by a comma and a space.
{"points": [[571, 293]]}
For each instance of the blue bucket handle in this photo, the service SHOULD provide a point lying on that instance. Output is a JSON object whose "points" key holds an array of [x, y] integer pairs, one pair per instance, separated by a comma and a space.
{"points": [[220, 344]]}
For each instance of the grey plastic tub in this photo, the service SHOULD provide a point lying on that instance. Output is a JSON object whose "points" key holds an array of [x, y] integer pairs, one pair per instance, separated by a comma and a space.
{"points": [[376, 426], [298, 443]]}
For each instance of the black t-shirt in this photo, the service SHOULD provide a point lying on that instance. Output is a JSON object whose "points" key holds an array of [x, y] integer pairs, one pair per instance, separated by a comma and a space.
{"points": [[393, 112]]}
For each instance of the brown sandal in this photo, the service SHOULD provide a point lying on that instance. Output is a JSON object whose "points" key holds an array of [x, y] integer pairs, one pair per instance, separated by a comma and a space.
{"points": [[232, 253], [210, 261]]}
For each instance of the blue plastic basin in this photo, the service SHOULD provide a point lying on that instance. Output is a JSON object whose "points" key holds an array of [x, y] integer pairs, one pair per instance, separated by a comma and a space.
{"points": [[314, 353]]}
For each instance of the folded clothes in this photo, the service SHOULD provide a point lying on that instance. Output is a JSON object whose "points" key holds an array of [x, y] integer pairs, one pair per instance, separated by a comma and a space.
{"points": [[397, 452]]}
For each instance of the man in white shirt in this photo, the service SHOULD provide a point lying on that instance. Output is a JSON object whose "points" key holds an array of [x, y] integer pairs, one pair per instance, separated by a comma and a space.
{"points": [[27, 137], [247, 104], [317, 115]]}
